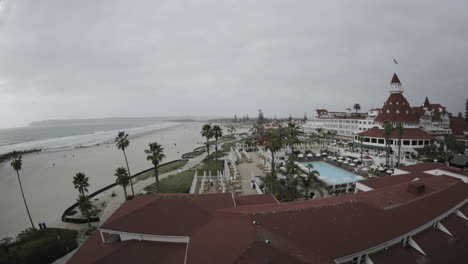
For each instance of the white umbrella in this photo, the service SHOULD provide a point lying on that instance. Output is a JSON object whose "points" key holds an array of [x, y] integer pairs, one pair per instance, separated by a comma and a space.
{"points": [[318, 155], [348, 158], [310, 155], [352, 164], [300, 155], [340, 161], [340, 157], [330, 157], [334, 158], [389, 171], [355, 160], [345, 162], [365, 169], [381, 169]]}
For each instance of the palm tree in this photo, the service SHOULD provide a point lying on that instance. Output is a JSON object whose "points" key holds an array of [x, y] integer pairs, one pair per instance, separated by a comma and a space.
{"points": [[291, 134], [81, 183], [399, 128], [311, 182], [309, 166], [122, 142], [17, 163], [361, 139], [357, 107], [388, 129], [217, 133], [274, 143], [207, 132], [122, 179], [85, 207], [155, 155]]}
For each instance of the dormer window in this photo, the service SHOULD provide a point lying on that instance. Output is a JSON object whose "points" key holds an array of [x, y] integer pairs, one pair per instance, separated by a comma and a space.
{"points": [[397, 102], [397, 111], [407, 112], [388, 111], [390, 102]]}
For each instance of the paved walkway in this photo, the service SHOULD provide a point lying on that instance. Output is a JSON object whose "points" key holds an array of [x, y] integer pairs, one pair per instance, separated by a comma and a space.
{"points": [[248, 171]]}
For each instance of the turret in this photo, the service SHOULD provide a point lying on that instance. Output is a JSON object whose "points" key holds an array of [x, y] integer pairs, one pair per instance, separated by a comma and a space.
{"points": [[395, 85]]}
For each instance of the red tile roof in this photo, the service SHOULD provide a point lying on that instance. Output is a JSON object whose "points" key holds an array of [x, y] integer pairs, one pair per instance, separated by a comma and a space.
{"points": [[397, 109], [130, 251], [458, 125], [313, 231], [243, 200], [155, 214], [409, 133]]}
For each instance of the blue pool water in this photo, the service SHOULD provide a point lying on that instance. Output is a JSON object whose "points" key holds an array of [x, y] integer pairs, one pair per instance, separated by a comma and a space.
{"points": [[332, 175]]}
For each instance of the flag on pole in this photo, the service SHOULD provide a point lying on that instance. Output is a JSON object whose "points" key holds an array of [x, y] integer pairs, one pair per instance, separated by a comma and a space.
{"points": [[395, 61]]}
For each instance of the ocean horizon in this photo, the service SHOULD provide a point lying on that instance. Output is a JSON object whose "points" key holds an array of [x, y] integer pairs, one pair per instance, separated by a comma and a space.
{"points": [[63, 134]]}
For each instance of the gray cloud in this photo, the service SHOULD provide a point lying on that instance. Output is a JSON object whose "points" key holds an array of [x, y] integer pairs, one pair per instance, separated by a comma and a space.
{"points": [[72, 59]]}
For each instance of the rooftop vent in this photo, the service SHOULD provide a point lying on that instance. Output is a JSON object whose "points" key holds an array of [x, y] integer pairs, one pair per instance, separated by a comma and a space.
{"points": [[416, 187], [268, 241]]}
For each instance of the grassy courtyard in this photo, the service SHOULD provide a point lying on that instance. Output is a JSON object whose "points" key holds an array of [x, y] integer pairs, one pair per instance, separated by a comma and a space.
{"points": [[163, 169], [40, 246]]}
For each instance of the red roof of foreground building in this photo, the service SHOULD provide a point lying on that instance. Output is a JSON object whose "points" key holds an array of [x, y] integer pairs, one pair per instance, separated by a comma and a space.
{"points": [[155, 214], [312, 231], [131, 251], [409, 133]]}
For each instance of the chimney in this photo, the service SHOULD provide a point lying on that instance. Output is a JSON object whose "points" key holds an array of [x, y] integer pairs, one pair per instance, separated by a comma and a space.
{"points": [[416, 187]]}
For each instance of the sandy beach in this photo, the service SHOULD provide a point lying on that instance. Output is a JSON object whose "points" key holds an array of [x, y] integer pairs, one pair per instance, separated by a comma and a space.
{"points": [[49, 189]]}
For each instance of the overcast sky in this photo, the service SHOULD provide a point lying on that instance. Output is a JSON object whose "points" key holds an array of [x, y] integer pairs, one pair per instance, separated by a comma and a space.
{"points": [[81, 59]]}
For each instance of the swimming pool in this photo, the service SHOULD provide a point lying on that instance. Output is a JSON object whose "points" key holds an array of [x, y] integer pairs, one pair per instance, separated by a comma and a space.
{"points": [[330, 174]]}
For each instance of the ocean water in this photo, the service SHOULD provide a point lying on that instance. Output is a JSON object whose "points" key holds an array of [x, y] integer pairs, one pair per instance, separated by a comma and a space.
{"points": [[71, 134]]}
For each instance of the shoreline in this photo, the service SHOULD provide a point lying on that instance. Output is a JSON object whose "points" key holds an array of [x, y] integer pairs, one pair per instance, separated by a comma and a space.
{"points": [[151, 129], [47, 176]]}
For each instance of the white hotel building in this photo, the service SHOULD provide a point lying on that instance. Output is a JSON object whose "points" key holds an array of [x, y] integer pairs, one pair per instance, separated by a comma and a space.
{"points": [[421, 124]]}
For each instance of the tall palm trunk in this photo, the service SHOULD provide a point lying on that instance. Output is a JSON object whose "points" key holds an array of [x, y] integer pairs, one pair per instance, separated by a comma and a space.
{"points": [[129, 174], [208, 151], [361, 150], [24, 199], [125, 192], [306, 194], [273, 176], [156, 175], [216, 153], [89, 219], [399, 151]]}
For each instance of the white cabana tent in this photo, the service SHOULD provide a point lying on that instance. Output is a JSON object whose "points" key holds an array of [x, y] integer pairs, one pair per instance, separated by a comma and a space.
{"points": [[310, 155]]}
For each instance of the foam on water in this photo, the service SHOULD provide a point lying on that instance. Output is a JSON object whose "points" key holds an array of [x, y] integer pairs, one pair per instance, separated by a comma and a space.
{"points": [[83, 140]]}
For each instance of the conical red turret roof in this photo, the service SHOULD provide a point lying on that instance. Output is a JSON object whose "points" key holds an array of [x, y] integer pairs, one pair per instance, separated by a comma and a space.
{"points": [[395, 79], [426, 102]]}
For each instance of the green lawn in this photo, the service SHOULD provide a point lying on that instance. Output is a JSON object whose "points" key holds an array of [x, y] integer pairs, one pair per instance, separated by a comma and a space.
{"points": [[222, 140], [163, 169], [177, 183], [41, 246], [181, 182], [193, 154]]}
